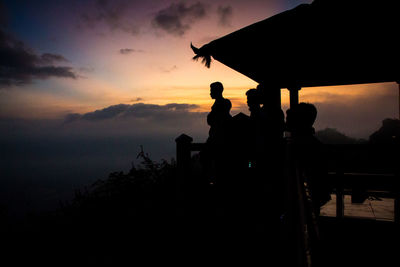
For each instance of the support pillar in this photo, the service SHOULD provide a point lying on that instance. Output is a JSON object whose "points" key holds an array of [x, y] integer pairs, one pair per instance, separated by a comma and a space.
{"points": [[339, 194], [397, 208], [397, 197], [294, 95], [398, 83]]}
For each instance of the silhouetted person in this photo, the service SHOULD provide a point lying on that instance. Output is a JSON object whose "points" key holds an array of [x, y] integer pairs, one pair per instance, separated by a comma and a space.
{"points": [[258, 162], [269, 120], [254, 102], [250, 132], [309, 152], [255, 178], [273, 113], [219, 117], [268, 123], [240, 140], [216, 156], [307, 184]]}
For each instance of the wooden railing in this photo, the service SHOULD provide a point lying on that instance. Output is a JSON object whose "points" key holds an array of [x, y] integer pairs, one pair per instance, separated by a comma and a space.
{"points": [[374, 169]]}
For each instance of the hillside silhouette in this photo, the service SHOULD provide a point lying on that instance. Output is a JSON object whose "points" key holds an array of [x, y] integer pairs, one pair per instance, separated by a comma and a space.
{"points": [[388, 133], [333, 136]]}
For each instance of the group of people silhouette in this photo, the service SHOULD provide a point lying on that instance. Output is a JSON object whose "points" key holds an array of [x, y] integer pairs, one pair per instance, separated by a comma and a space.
{"points": [[245, 156]]}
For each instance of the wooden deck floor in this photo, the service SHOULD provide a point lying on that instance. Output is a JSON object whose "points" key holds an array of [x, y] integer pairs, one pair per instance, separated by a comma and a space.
{"points": [[366, 236], [372, 208]]}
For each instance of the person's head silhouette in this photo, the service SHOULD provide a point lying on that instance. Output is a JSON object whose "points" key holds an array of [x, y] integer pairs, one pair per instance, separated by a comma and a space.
{"points": [[253, 100], [216, 89], [300, 119]]}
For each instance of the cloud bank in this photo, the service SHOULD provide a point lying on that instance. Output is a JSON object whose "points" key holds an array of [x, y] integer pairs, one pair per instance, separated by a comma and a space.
{"points": [[127, 51], [177, 18], [19, 65], [138, 120], [114, 14], [76, 151], [139, 110]]}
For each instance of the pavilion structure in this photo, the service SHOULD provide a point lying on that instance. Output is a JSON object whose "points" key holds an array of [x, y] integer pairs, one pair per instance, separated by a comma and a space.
{"points": [[325, 43], [319, 44]]}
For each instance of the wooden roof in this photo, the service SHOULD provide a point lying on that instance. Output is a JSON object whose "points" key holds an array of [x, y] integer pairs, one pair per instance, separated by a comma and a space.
{"points": [[328, 42]]}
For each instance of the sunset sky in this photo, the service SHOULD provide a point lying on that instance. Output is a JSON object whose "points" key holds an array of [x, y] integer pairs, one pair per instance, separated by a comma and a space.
{"points": [[81, 56], [122, 52], [77, 77]]}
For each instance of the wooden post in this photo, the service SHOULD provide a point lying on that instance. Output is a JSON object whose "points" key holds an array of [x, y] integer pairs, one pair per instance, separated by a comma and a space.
{"points": [[397, 198], [339, 185], [339, 195], [183, 157], [294, 95], [398, 83], [397, 208], [183, 143]]}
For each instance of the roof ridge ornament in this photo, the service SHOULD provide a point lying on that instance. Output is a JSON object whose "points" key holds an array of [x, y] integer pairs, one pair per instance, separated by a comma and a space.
{"points": [[203, 54]]}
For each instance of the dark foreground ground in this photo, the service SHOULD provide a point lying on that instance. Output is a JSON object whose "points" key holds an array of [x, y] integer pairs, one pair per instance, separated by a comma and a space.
{"points": [[131, 219], [346, 242]]}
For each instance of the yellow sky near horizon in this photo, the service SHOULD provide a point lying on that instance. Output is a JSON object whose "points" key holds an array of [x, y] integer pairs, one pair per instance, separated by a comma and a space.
{"points": [[43, 104]]}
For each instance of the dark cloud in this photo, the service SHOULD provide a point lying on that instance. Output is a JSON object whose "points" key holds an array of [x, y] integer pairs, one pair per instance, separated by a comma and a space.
{"points": [[48, 58], [137, 99], [86, 69], [19, 65], [184, 107], [53, 71], [126, 51], [224, 15], [106, 113], [114, 14], [138, 110], [177, 18], [174, 67], [72, 117]]}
